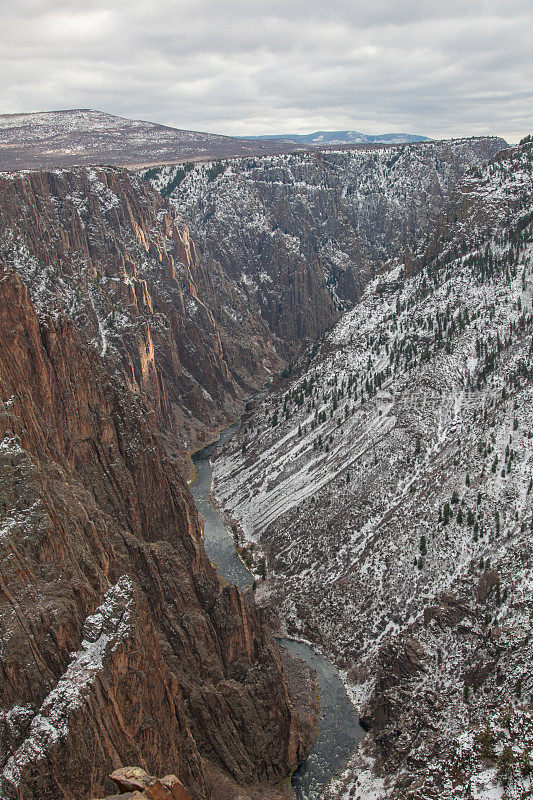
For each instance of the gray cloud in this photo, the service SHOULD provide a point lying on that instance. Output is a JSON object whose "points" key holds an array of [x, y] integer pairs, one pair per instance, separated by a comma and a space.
{"points": [[248, 66]]}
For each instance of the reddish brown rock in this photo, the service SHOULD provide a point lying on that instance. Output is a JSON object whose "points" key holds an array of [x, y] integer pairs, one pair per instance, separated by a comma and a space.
{"points": [[128, 779], [101, 247], [487, 584], [138, 782], [119, 645], [126, 796]]}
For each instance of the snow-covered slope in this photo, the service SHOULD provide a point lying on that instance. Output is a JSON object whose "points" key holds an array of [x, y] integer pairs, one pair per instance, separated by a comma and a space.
{"points": [[300, 234], [390, 485], [82, 136], [321, 138]]}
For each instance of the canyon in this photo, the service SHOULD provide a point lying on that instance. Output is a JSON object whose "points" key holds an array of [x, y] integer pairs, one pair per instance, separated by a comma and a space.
{"points": [[140, 312], [119, 643], [300, 234]]}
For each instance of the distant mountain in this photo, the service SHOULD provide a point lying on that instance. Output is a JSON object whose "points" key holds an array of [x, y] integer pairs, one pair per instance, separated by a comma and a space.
{"points": [[343, 137], [81, 136], [48, 139]]}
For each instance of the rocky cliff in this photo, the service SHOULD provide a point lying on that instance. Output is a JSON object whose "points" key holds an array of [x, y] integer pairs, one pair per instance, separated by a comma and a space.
{"points": [[101, 247], [300, 235], [119, 645], [123, 345]]}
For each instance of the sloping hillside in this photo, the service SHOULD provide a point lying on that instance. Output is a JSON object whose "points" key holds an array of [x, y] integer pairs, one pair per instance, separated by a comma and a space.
{"points": [[389, 485], [50, 139]]}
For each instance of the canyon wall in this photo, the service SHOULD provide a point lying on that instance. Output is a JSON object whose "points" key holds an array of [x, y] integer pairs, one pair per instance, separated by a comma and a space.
{"points": [[119, 643], [388, 484], [101, 247], [300, 235], [123, 345]]}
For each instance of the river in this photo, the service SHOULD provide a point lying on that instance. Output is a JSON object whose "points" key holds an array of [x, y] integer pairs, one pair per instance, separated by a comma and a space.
{"points": [[339, 730]]}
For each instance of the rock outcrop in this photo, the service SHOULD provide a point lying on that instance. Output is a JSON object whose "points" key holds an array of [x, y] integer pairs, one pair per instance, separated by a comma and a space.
{"points": [[135, 783]]}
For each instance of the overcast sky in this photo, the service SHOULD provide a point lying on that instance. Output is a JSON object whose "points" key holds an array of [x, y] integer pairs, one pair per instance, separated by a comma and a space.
{"points": [[455, 67]]}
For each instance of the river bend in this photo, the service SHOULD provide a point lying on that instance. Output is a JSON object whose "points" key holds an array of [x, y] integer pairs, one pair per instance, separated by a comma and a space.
{"points": [[339, 730]]}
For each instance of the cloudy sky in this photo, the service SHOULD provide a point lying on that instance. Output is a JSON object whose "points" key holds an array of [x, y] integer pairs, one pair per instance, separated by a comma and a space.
{"points": [[453, 67]]}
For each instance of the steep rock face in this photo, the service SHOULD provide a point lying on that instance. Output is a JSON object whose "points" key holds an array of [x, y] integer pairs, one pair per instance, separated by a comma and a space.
{"points": [[394, 473], [99, 246], [301, 234], [118, 643], [106, 587]]}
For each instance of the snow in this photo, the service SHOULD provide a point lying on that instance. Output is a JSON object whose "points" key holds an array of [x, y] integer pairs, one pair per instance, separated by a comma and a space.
{"points": [[84, 136], [341, 517], [111, 623], [350, 207], [342, 522], [25, 509]]}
